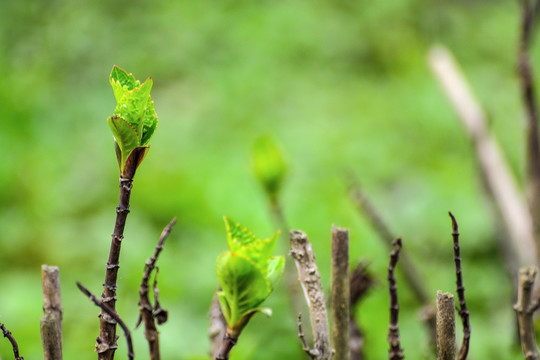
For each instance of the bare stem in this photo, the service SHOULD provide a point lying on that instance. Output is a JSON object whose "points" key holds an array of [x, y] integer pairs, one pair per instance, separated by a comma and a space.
{"points": [[525, 308], [145, 308], [395, 352], [226, 346], [460, 289], [340, 298], [310, 280], [14, 346], [51, 322], [106, 341], [114, 315], [446, 327]]}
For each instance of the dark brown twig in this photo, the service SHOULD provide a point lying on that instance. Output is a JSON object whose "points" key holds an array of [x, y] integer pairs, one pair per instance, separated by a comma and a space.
{"points": [[147, 312], [51, 321], [106, 341], [14, 346], [310, 280], [395, 352], [340, 298], [114, 315], [460, 289]]}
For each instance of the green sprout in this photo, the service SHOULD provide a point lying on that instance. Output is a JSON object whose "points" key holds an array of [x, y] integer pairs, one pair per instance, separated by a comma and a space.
{"points": [[247, 274], [268, 165], [134, 119]]}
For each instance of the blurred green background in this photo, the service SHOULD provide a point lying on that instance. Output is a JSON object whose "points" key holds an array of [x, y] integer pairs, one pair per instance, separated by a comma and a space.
{"points": [[338, 84]]}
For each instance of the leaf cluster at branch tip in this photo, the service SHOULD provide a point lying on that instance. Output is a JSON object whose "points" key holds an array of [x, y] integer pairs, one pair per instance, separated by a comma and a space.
{"points": [[134, 119], [247, 274]]}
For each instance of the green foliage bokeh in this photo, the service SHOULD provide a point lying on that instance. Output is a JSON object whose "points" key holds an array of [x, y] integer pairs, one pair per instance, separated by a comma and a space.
{"points": [[339, 85]]}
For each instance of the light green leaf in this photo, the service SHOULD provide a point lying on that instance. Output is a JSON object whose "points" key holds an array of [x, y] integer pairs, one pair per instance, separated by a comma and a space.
{"points": [[243, 241], [243, 284], [121, 81], [150, 122], [125, 135]]}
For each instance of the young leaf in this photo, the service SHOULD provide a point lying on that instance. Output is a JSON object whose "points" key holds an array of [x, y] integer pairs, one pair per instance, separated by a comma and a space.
{"points": [[247, 274], [134, 120], [126, 136], [243, 284]]}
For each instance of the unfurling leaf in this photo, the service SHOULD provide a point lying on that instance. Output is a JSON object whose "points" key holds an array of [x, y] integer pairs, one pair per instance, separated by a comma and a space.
{"points": [[247, 274], [134, 119]]}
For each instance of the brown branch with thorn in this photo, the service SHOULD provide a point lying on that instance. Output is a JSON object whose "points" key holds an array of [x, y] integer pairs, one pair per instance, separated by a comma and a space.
{"points": [[310, 280], [149, 314], [7, 334], [525, 308], [460, 289], [114, 315], [395, 352]]}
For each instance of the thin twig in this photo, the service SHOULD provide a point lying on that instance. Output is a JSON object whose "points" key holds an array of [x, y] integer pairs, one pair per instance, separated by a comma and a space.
{"points": [[528, 18], [310, 280], [395, 352], [114, 315], [524, 308], [14, 345], [51, 321], [145, 308], [446, 327], [302, 338], [340, 298], [460, 289], [496, 175]]}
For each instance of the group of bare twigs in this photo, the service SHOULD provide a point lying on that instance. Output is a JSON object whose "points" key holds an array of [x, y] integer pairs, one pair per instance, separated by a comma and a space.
{"points": [[519, 244]]}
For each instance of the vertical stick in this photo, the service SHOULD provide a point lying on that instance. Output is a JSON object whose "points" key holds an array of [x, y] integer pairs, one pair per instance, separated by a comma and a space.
{"points": [[310, 280], [340, 298], [51, 322], [395, 352], [524, 310], [446, 327]]}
